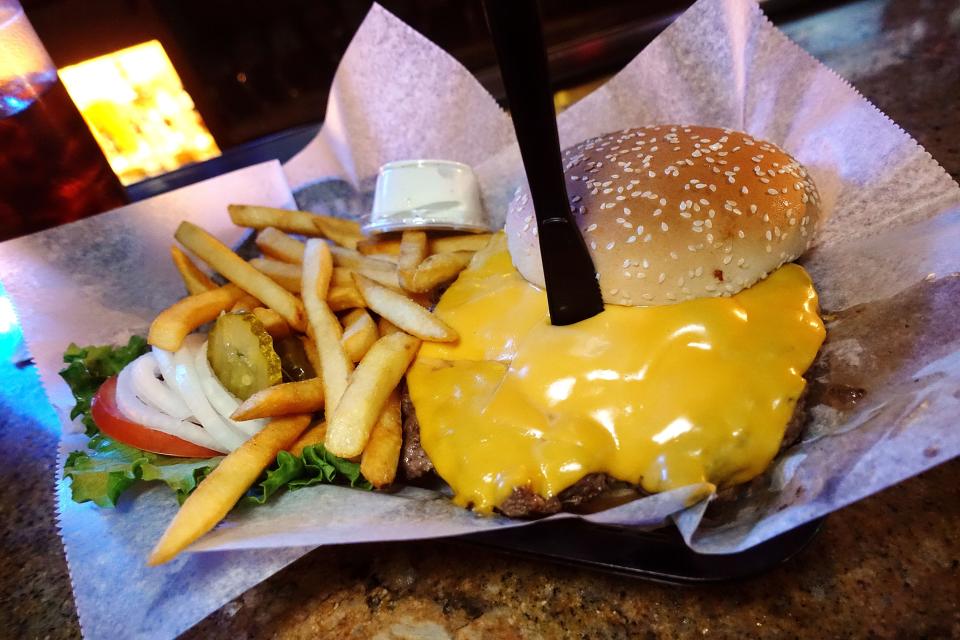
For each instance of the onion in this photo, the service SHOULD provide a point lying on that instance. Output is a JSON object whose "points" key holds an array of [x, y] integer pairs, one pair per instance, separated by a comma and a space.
{"points": [[222, 400], [152, 391], [188, 384], [135, 410]]}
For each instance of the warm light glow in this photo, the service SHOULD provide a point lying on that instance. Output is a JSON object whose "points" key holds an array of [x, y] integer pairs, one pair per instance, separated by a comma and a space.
{"points": [[139, 112]]}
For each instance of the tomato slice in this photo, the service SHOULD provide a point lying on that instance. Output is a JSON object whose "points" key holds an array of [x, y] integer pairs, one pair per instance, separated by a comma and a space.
{"points": [[112, 423]]}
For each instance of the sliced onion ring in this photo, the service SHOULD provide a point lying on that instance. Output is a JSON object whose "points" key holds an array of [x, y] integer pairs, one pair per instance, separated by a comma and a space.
{"points": [[188, 383], [222, 400], [138, 411], [150, 390]]}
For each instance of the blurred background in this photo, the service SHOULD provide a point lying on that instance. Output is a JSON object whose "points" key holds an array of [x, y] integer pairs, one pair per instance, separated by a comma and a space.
{"points": [[163, 84]]}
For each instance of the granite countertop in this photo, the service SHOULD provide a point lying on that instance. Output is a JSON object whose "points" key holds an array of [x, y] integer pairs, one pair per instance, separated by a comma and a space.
{"points": [[888, 566]]}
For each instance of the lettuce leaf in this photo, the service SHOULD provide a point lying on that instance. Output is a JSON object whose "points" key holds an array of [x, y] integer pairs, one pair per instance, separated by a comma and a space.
{"points": [[88, 367], [101, 474], [108, 468], [315, 465]]}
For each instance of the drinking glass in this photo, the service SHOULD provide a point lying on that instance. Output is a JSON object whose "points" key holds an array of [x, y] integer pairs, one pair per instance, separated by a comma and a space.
{"points": [[51, 169]]}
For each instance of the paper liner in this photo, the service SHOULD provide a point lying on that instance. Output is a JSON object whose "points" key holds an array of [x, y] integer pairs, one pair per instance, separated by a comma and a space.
{"points": [[884, 395]]}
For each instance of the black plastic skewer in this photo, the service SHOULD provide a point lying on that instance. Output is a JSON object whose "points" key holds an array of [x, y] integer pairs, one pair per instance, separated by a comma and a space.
{"points": [[573, 293]]}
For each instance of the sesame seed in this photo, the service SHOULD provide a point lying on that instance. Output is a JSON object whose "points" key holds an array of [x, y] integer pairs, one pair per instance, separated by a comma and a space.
{"points": [[772, 192], [592, 227], [631, 239], [610, 245], [661, 278], [664, 226], [593, 245], [727, 259], [744, 190]]}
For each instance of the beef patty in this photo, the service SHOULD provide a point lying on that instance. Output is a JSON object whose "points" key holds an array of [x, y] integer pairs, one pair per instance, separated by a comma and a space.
{"points": [[524, 502]]}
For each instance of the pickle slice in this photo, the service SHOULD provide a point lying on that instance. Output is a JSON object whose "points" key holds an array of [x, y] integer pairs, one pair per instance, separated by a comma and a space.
{"points": [[241, 354], [293, 360]]}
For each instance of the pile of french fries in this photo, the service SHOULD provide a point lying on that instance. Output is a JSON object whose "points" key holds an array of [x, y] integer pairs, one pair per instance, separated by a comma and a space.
{"points": [[381, 290]]}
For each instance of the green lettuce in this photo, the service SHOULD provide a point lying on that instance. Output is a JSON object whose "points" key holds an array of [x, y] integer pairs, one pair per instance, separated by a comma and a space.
{"points": [[315, 465], [107, 468], [89, 367]]}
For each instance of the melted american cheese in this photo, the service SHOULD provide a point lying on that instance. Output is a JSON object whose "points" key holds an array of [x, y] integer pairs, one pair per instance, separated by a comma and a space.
{"points": [[663, 397]]}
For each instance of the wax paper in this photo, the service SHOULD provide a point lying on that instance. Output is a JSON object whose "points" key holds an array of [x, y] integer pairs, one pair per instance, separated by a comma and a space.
{"points": [[883, 396]]}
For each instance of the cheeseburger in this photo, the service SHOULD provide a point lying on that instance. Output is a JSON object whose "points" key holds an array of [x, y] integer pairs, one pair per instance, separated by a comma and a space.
{"points": [[692, 374]]}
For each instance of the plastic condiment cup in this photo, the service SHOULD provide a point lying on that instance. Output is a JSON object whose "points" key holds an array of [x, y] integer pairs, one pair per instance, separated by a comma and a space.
{"points": [[426, 194]]}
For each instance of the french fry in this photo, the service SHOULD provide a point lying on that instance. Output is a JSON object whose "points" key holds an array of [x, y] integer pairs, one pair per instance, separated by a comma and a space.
{"points": [[310, 348], [302, 222], [384, 246], [413, 251], [356, 261], [276, 326], [438, 269], [404, 312], [386, 257], [349, 423], [345, 233], [194, 279], [219, 492], [324, 329], [313, 435], [291, 221], [341, 297], [359, 334], [343, 276], [246, 303], [279, 246], [177, 321], [385, 327], [237, 270], [463, 242], [285, 274], [380, 457], [317, 268], [380, 246], [288, 398]]}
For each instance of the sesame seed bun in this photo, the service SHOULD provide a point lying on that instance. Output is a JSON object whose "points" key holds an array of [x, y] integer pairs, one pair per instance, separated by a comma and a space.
{"points": [[675, 212]]}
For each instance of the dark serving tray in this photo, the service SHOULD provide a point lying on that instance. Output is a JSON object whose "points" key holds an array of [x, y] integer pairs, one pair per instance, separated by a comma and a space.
{"points": [[660, 555]]}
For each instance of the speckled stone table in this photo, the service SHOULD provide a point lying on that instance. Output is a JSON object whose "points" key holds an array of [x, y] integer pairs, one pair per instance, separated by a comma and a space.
{"points": [[888, 566]]}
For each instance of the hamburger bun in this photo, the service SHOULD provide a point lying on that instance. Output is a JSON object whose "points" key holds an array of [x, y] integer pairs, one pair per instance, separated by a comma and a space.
{"points": [[673, 212]]}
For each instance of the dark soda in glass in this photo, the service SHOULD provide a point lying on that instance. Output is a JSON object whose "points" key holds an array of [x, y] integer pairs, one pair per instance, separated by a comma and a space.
{"points": [[51, 169]]}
